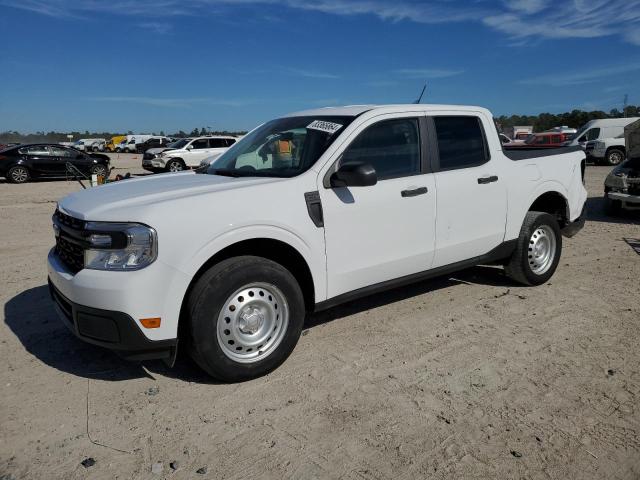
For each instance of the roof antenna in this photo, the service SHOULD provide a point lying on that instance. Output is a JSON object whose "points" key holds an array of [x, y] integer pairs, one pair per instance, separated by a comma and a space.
{"points": [[421, 94]]}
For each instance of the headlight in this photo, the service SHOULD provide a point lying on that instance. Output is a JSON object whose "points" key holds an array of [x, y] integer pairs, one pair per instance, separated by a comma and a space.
{"points": [[120, 246]]}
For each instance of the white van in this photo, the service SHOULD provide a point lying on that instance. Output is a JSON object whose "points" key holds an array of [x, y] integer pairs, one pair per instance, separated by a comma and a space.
{"points": [[90, 144], [600, 129], [132, 141]]}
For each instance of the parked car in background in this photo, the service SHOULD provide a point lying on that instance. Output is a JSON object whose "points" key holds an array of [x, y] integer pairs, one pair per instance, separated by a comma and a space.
{"points": [[564, 129], [622, 187], [610, 151], [114, 142], [153, 142], [39, 160], [300, 216], [600, 129], [541, 140], [7, 145], [130, 145], [154, 153], [504, 138], [518, 133], [189, 154], [90, 144]]}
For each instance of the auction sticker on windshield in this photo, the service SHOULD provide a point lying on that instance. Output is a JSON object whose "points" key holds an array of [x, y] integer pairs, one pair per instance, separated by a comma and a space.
{"points": [[323, 126]]}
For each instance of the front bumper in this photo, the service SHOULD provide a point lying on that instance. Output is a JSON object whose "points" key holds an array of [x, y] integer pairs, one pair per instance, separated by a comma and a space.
{"points": [[572, 228], [122, 299], [113, 330], [152, 165], [631, 202]]}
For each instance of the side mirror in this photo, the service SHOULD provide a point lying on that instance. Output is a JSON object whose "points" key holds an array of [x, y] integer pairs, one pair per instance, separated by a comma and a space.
{"points": [[354, 174], [190, 147]]}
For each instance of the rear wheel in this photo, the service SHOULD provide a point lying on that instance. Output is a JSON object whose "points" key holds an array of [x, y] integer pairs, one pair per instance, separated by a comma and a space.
{"points": [[538, 250], [245, 317], [18, 174], [614, 157], [176, 165]]}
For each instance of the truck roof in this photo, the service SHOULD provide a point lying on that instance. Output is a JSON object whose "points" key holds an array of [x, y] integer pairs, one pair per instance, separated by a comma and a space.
{"points": [[355, 110]]}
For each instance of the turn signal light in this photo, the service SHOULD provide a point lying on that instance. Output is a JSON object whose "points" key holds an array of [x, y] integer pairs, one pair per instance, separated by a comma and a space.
{"points": [[150, 322]]}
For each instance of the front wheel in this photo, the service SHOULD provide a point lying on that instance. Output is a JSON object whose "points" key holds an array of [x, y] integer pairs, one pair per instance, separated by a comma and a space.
{"points": [[175, 166], [245, 317], [538, 250]]}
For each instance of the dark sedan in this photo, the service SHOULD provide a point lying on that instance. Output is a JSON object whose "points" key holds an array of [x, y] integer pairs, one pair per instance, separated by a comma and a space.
{"points": [[25, 162]]}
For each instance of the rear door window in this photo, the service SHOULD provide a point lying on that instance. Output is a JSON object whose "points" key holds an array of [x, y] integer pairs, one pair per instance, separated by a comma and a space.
{"points": [[217, 143], [200, 144], [461, 142], [36, 150]]}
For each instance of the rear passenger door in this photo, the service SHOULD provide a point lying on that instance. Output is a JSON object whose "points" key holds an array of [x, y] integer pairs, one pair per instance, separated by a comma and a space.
{"points": [[217, 146], [40, 160], [471, 195]]}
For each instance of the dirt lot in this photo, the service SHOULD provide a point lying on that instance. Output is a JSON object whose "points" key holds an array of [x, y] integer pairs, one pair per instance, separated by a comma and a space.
{"points": [[463, 377]]}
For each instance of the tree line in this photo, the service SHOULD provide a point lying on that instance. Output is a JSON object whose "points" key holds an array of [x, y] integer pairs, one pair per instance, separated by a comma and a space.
{"points": [[57, 137], [573, 119], [540, 123]]}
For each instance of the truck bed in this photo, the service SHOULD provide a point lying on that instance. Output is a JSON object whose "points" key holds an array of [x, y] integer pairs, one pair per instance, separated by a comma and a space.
{"points": [[526, 153]]}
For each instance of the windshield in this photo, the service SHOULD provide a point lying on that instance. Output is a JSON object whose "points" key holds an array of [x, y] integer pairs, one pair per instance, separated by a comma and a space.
{"points": [[179, 144], [581, 131], [281, 148]]}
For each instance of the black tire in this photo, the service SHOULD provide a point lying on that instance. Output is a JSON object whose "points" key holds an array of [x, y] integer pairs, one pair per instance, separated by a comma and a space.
{"points": [[175, 165], [207, 300], [99, 170], [614, 157], [18, 174], [519, 268]]}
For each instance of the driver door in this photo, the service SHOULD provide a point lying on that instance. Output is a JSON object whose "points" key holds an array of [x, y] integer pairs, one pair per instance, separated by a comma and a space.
{"points": [[385, 231]]}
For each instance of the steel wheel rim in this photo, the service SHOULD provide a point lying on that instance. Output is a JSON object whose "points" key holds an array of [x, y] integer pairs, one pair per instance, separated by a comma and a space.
{"points": [[19, 175], [175, 167], [542, 249], [100, 171], [252, 323], [615, 158]]}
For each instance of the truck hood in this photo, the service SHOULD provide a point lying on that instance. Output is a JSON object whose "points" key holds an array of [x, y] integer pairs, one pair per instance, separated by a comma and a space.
{"points": [[117, 201]]}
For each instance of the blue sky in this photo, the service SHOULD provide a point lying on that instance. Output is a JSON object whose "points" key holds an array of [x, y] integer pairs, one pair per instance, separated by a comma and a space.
{"points": [[152, 65]]}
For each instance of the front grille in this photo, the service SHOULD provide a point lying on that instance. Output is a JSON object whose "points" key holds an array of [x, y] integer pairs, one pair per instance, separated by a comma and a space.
{"points": [[69, 244], [71, 255]]}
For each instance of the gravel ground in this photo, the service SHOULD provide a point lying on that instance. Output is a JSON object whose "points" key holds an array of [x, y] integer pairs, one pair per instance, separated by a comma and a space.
{"points": [[468, 376]]}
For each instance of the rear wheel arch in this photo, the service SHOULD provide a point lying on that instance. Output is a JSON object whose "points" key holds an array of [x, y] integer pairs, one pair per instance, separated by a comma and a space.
{"points": [[553, 203]]}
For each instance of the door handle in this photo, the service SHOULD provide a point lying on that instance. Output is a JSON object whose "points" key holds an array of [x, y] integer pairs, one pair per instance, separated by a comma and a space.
{"points": [[485, 180], [414, 192]]}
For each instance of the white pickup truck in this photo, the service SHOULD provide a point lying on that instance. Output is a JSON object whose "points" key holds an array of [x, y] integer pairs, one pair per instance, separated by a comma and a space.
{"points": [[305, 212]]}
